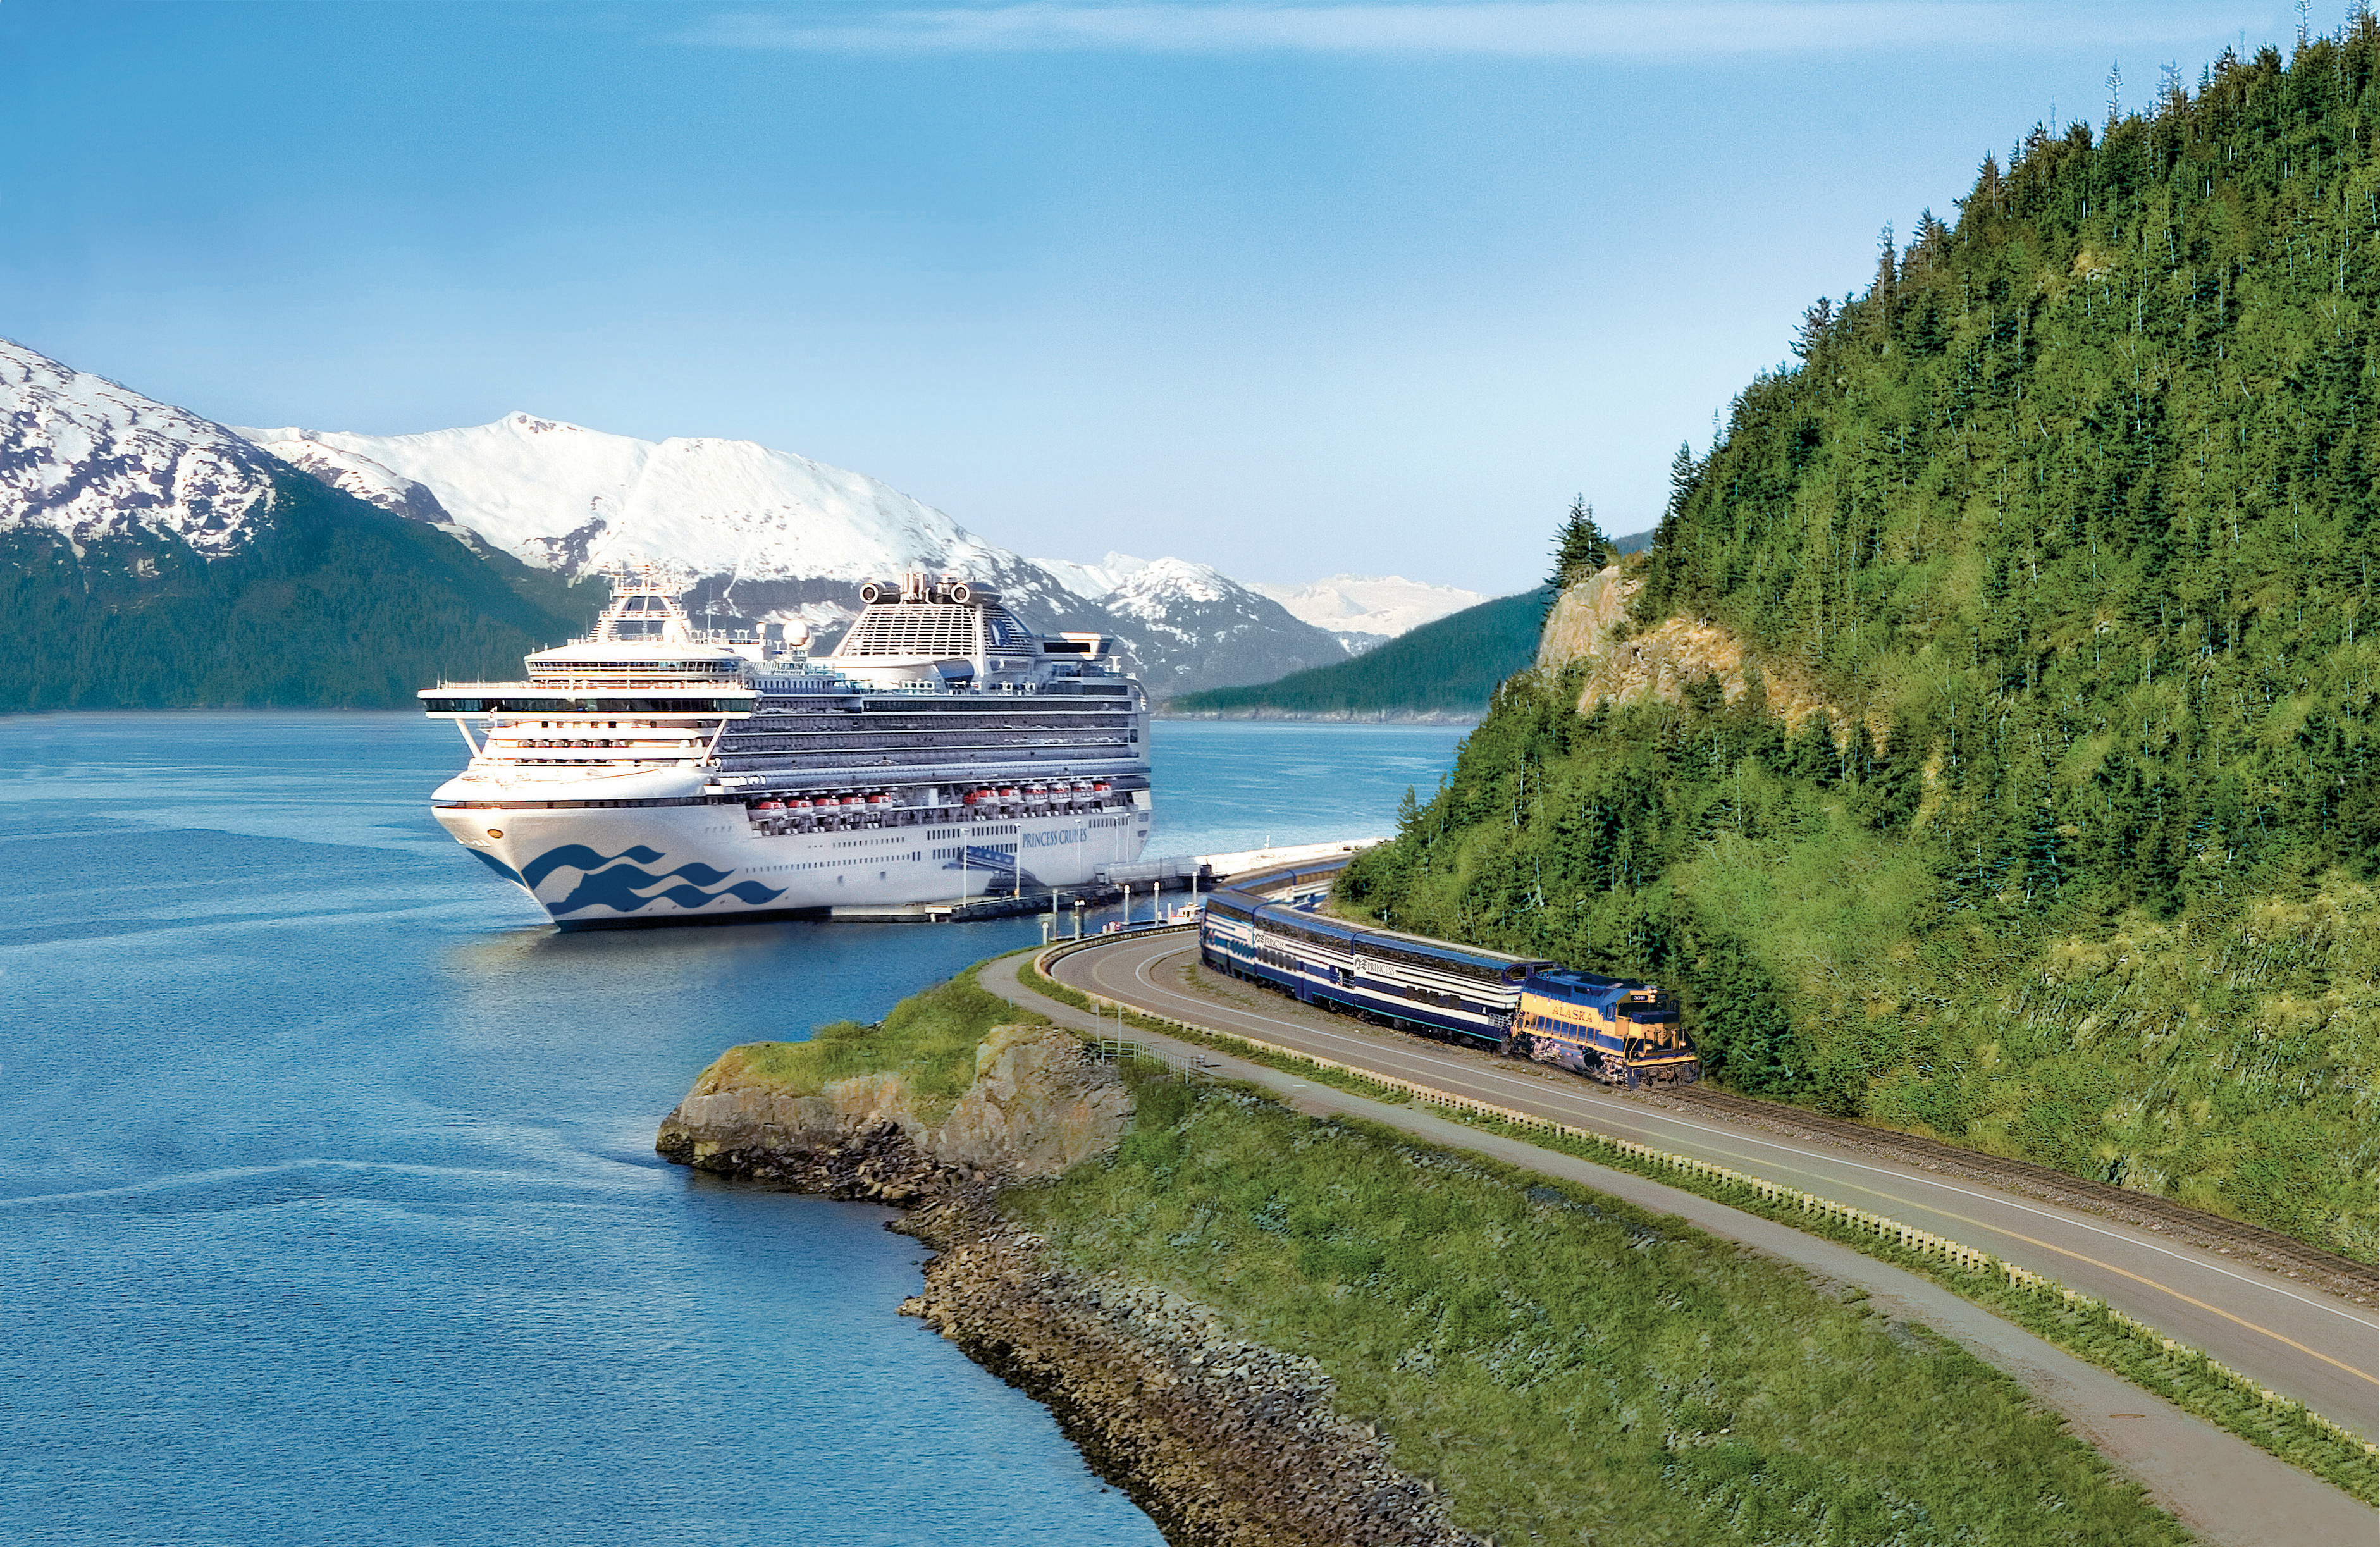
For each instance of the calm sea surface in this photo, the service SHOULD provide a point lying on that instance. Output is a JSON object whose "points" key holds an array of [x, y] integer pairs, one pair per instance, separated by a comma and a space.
{"points": [[328, 1204]]}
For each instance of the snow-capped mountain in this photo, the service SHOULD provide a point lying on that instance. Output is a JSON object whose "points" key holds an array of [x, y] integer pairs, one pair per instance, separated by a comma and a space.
{"points": [[91, 461], [1360, 611], [771, 537], [757, 534], [1375, 607], [1205, 627], [158, 559], [1091, 581]]}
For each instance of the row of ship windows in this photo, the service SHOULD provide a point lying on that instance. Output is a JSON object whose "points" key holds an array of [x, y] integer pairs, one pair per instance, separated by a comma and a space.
{"points": [[833, 864], [757, 745], [872, 843], [954, 853]]}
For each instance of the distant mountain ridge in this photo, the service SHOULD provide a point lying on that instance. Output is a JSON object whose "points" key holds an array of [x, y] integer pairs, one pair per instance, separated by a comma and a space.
{"points": [[125, 501], [150, 559], [1447, 670], [1365, 610], [765, 536], [92, 462]]}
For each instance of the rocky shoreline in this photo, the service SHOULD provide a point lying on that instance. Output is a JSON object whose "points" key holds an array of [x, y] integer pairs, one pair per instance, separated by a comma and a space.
{"points": [[1223, 1442]]}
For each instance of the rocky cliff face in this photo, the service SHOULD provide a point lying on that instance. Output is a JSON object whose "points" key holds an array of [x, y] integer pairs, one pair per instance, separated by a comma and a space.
{"points": [[1038, 1105], [1589, 626]]}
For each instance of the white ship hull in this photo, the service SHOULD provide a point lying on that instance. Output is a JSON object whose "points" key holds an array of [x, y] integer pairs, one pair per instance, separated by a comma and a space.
{"points": [[653, 864], [650, 774]]}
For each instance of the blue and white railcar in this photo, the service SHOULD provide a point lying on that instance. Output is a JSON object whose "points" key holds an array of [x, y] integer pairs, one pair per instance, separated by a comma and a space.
{"points": [[1421, 985]]}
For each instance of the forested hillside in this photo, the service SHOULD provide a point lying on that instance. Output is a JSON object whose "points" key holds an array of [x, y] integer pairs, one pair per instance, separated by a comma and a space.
{"points": [[1448, 668], [338, 604], [2028, 795]]}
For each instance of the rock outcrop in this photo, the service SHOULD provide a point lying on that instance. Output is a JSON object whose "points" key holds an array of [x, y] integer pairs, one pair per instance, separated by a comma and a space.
{"points": [[1589, 626], [1038, 1105]]}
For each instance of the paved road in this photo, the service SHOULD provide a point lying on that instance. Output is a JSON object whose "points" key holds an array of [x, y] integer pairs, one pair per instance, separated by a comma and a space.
{"points": [[2222, 1487], [2314, 1347]]}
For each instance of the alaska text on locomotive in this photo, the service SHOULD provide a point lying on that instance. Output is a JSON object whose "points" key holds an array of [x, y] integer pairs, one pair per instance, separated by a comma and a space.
{"points": [[942, 750]]}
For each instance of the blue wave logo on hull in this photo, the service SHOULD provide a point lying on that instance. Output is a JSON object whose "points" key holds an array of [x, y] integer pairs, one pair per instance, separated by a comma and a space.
{"points": [[608, 883]]}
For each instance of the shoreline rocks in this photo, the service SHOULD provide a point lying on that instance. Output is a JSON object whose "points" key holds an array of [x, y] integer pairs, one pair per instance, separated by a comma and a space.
{"points": [[1223, 1442]]}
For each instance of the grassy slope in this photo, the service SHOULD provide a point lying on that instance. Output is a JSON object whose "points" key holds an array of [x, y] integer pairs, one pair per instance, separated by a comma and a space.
{"points": [[1565, 1367], [2072, 516], [930, 1038], [339, 605], [1450, 667]]}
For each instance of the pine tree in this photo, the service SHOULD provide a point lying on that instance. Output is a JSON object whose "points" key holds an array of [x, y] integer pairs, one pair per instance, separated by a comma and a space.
{"points": [[1580, 548]]}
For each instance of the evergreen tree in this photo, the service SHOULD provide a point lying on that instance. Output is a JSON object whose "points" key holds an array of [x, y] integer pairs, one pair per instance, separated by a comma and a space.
{"points": [[1580, 548]]}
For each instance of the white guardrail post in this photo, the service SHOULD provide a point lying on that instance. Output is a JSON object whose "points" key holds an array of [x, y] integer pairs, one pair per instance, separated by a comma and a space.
{"points": [[1910, 1236]]}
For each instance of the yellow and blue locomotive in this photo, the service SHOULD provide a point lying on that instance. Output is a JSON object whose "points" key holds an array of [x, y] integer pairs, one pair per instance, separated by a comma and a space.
{"points": [[1608, 1029]]}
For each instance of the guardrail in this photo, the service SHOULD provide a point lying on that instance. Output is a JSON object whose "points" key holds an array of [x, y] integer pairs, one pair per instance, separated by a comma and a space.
{"points": [[1922, 1241], [1115, 1050]]}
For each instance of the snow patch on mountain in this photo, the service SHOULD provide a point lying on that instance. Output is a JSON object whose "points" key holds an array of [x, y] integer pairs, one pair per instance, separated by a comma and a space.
{"points": [[1091, 581], [1157, 589], [1385, 605], [353, 473], [1191, 626], [566, 497], [92, 460]]}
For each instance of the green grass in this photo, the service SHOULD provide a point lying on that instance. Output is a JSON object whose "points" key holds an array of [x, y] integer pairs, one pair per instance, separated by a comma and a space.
{"points": [[928, 1039], [1565, 1367], [2085, 1328]]}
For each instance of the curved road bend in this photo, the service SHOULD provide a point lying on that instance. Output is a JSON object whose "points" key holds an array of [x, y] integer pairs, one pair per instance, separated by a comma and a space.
{"points": [[2295, 1339], [2222, 1487]]}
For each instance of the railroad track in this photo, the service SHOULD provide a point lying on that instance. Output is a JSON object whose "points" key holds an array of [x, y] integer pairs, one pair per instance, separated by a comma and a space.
{"points": [[2341, 1276], [2359, 1282]]}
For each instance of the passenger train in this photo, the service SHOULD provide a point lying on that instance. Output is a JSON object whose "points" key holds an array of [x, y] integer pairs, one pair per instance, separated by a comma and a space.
{"points": [[1609, 1029]]}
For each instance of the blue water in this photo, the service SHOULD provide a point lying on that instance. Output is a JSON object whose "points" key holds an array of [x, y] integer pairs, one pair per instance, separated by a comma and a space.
{"points": [[328, 1205]]}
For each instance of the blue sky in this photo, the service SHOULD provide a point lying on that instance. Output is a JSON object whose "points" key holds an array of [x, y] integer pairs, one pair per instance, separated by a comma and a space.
{"points": [[1289, 288]]}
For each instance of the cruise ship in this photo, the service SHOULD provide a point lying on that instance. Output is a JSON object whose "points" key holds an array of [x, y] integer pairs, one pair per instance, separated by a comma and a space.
{"points": [[942, 752]]}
